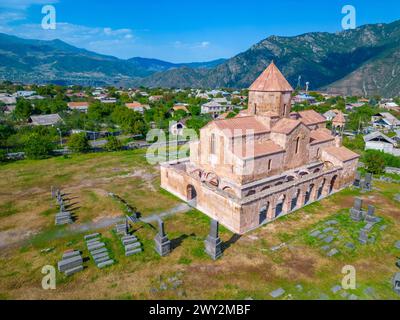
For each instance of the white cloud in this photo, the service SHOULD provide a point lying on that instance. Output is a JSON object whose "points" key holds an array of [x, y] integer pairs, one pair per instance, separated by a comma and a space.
{"points": [[197, 45], [23, 4]]}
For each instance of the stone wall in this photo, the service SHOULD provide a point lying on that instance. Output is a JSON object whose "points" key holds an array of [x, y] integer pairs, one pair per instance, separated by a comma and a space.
{"points": [[264, 102]]}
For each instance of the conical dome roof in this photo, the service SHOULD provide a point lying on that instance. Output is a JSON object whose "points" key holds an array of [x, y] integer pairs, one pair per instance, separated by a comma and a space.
{"points": [[271, 80]]}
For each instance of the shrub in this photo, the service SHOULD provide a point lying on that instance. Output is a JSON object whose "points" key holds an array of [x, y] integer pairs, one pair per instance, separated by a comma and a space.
{"points": [[37, 146], [113, 144], [78, 143]]}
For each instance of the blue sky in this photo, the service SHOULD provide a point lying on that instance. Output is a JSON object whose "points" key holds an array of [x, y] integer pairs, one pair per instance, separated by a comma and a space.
{"points": [[183, 31]]}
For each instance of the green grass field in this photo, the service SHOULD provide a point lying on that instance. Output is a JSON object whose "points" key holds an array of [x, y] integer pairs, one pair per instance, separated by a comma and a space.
{"points": [[248, 268]]}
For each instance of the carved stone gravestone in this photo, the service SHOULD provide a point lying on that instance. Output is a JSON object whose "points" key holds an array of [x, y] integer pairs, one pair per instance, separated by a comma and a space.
{"points": [[370, 216], [162, 243], [213, 244], [367, 186], [356, 212], [357, 180], [363, 238]]}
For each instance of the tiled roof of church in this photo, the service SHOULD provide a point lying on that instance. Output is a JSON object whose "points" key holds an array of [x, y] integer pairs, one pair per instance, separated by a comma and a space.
{"points": [[320, 135], [310, 117], [241, 124], [271, 80], [245, 151], [286, 125], [342, 153]]}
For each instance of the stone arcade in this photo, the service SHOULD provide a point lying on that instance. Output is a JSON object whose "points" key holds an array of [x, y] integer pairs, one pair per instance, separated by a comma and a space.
{"points": [[251, 169]]}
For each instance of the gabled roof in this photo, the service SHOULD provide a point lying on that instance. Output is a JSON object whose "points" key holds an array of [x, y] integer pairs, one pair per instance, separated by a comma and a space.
{"points": [[378, 134], [320, 135], [342, 153], [271, 80], [241, 124], [46, 120], [286, 125], [339, 118], [310, 117]]}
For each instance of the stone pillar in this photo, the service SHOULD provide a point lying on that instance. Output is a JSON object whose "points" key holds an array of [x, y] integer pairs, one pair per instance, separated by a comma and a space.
{"points": [[286, 204], [213, 244], [162, 243]]}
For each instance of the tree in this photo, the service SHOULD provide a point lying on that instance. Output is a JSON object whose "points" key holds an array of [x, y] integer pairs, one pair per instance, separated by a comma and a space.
{"points": [[3, 155], [374, 162], [113, 144], [130, 121], [78, 142], [23, 109], [38, 146]]}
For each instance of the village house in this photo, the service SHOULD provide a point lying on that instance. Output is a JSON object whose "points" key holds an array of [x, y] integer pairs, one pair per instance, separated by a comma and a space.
{"points": [[249, 170], [390, 105], [214, 108], [79, 106], [379, 141], [137, 106], [45, 120], [385, 120], [155, 98]]}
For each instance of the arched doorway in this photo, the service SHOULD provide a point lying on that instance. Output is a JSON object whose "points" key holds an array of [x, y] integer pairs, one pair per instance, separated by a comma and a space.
{"points": [[279, 205], [332, 185], [191, 194], [321, 189], [262, 217], [307, 198], [295, 199]]}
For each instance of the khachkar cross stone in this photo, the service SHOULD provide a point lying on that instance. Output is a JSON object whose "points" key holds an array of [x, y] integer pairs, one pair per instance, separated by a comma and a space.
{"points": [[370, 217], [356, 212], [213, 243], [367, 185], [357, 180], [162, 243]]}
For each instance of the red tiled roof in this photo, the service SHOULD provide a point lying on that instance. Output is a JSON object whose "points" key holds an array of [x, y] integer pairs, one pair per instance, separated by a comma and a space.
{"points": [[342, 153], [78, 104], [242, 124], [320, 135], [285, 125], [271, 80], [339, 118], [310, 117], [133, 104]]}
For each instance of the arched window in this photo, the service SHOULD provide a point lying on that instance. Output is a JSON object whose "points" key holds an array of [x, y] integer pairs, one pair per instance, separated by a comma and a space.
{"points": [[318, 152], [297, 145], [284, 110], [269, 164], [212, 144]]}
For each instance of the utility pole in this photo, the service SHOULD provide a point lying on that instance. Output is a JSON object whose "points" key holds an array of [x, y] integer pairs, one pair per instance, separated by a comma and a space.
{"points": [[59, 131]]}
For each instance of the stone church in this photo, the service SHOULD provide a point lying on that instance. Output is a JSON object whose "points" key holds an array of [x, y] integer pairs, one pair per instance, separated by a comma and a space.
{"points": [[249, 170]]}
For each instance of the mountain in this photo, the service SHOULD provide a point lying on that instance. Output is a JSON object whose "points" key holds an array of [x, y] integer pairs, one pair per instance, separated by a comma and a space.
{"points": [[55, 61], [155, 65], [363, 61]]}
